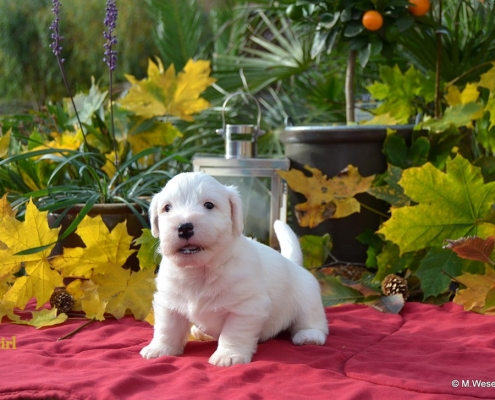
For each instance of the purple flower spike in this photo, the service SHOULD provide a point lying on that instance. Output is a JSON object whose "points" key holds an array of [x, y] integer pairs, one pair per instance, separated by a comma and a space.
{"points": [[111, 40], [54, 27]]}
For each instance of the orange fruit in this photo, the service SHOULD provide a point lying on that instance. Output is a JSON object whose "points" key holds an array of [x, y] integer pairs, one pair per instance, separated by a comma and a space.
{"points": [[419, 7], [372, 20]]}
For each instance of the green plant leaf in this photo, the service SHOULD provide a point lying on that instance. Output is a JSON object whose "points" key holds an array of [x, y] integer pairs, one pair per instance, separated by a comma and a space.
{"points": [[374, 246], [86, 104], [451, 205], [335, 293], [400, 92], [147, 254], [353, 29], [395, 149], [404, 22], [5, 143], [316, 249], [398, 154], [391, 262], [418, 152], [436, 271], [393, 193], [458, 115]]}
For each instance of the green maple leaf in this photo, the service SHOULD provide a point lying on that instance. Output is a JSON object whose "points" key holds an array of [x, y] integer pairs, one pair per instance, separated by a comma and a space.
{"points": [[490, 107], [458, 115], [450, 205], [390, 262], [399, 92], [147, 255], [315, 249], [392, 193]]}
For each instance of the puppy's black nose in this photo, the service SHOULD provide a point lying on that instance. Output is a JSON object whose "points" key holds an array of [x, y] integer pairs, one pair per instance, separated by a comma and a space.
{"points": [[186, 230]]}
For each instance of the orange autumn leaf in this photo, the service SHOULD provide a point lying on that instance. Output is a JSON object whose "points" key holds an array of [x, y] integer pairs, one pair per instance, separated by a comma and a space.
{"points": [[473, 248], [478, 287], [326, 198]]}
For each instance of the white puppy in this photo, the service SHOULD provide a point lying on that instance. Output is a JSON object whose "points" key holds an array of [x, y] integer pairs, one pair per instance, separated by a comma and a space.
{"points": [[231, 287]]}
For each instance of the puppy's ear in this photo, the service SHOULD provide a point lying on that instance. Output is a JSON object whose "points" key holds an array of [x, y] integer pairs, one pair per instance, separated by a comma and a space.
{"points": [[236, 211], [153, 212]]}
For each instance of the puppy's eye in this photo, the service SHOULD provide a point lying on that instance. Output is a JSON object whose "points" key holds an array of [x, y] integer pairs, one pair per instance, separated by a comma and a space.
{"points": [[209, 205], [167, 208]]}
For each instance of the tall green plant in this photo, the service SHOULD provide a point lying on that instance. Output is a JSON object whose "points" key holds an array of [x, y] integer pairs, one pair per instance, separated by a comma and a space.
{"points": [[459, 38]]}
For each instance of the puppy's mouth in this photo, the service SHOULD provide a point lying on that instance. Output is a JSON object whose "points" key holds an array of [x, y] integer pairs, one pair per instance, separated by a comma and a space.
{"points": [[190, 249]]}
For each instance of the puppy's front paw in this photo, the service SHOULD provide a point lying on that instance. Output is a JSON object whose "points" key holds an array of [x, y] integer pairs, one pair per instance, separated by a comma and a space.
{"points": [[157, 349], [226, 358], [309, 336]]}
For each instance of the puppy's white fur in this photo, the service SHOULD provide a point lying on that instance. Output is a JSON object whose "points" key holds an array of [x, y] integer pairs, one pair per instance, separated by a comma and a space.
{"points": [[231, 287]]}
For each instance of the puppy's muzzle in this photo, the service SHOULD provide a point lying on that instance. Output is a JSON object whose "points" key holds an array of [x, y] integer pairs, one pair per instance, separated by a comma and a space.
{"points": [[186, 230]]}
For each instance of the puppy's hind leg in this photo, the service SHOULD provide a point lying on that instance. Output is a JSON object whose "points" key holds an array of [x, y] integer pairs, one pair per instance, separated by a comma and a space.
{"points": [[311, 325]]}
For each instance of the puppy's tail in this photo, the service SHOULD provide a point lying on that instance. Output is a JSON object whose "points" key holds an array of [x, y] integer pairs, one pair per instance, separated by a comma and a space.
{"points": [[289, 243]]}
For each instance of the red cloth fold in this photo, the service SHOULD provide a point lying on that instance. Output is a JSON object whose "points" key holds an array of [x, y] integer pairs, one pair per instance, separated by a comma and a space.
{"points": [[419, 354]]}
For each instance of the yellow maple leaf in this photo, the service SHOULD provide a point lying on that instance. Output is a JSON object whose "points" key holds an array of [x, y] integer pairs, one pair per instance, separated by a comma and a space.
{"points": [[160, 134], [87, 299], [109, 168], [5, 143], [455, 97], [5, 208], [40, 278], [326, 198], [104, 250], [126, 290], [7, 309], [488, 79], [150, 318], [164, 93], [194, 80], [5, 211], [382, 119], [64, 141]]}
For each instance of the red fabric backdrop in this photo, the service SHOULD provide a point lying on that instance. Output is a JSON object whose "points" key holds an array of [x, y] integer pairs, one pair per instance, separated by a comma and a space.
{"points": [[419, 354]]}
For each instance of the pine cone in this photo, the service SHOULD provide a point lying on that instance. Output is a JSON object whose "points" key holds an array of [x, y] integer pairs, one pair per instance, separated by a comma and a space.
{"points": [[62, 300], [393, 284]]}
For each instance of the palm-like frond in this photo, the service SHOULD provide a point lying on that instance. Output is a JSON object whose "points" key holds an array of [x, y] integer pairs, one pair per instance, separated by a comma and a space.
{"points": [[180, 30]]}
